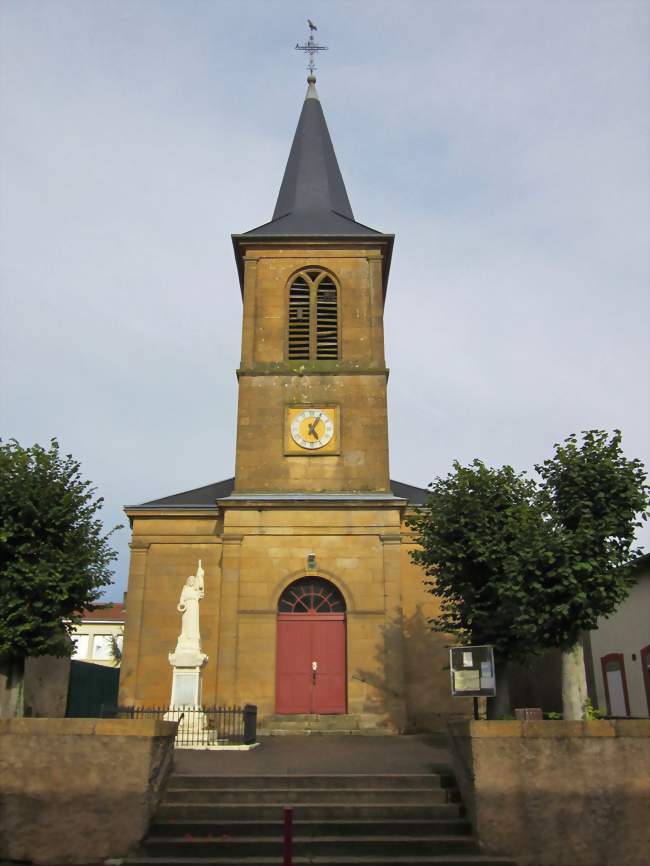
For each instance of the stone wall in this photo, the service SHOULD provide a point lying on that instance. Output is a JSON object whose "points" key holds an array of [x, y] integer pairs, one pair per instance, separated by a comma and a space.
{"points": [[557, 793], [79, 790], [46, 686], [165, 549], [427, 686]]}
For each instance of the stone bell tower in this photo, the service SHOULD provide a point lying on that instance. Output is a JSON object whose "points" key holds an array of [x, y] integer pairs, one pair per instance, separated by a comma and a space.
{"points": [[312, 380]]}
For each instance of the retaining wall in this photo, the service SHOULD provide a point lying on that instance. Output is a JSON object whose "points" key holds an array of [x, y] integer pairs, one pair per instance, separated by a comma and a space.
{"points": [[557, 793], [78, 791]]}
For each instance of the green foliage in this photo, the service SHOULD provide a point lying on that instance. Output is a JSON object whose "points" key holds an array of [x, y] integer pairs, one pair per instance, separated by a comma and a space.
{"points": [[54, 555], [523, 564], [116, 650], [485, 545], [591, 713], [594, 499]]}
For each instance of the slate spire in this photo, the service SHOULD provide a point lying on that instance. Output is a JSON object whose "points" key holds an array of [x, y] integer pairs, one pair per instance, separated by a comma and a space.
{"points": [[312, 198]]}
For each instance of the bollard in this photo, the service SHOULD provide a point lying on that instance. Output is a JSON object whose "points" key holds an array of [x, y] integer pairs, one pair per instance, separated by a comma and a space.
{"points": [[250, 724], [288, 836]]}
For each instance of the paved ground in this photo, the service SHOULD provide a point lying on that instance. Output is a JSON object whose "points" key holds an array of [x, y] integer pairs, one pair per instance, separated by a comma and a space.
{"points": [[302, 755]]}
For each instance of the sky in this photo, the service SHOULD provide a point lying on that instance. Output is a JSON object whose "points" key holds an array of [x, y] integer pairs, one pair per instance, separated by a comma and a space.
{"points": [[505, 143]]}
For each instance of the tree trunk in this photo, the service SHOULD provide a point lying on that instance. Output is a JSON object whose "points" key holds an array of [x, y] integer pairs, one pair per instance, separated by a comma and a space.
{"points": [[499, 706], [574, 683], [11, 687]]}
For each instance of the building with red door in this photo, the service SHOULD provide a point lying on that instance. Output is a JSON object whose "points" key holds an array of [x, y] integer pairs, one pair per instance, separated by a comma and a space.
{"points": [[620, 652], [311, 605]]}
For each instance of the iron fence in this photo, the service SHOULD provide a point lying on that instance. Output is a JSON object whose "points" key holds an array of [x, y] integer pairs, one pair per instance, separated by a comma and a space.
{"points": [[199, 727]]}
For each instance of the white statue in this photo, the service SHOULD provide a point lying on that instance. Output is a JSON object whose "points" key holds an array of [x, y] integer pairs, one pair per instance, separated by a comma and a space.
{"points": [[192, 592], [188, 647]]}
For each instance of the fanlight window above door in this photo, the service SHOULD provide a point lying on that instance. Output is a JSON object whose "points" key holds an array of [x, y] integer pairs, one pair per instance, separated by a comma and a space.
{"points": [[311, 595], [313, 327]]}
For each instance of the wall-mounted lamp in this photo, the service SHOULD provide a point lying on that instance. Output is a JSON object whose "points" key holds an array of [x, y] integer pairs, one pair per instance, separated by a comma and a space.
{"points": [[311, 561]]}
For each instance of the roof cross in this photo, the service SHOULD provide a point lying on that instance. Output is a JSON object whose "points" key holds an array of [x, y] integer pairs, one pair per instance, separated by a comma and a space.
{"points": [[312, 48]]}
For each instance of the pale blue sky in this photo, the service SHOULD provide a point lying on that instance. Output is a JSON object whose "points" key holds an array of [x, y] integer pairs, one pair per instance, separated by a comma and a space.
{"points": [[505, 143]]}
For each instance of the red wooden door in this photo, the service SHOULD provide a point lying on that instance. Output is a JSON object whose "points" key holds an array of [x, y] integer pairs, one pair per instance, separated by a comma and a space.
{"points": [[328, 651], [293, 682], [311, 663]]}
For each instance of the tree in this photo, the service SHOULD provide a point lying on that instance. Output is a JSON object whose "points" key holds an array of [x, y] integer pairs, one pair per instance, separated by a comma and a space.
{"points": [[526, 565], [54, 556], [594, 499], [116, 647], [485, 545]]}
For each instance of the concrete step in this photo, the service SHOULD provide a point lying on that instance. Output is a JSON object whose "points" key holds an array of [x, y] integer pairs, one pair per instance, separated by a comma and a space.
{"points": [[393, 781], [316, 732], [304, 796], [374, 860], [302, 723], [336, 720], [358, 811], [266, 846], [303, 827], [339, 819]]}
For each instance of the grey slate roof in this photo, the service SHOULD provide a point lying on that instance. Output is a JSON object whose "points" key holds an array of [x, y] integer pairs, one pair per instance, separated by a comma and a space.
{"points": [[205, 497], [312, 198], [197, 498], [415, 495]]}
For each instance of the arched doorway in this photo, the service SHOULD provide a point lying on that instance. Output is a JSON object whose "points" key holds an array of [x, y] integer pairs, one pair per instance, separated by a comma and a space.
{"points": [[310, 657]]}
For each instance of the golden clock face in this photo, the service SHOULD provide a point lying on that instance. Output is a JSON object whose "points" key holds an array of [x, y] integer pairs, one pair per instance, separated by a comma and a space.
{"points": [[311, 430]]}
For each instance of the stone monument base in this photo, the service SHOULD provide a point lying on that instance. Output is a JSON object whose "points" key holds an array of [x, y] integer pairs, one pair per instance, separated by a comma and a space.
{"points": [[194, 731]]}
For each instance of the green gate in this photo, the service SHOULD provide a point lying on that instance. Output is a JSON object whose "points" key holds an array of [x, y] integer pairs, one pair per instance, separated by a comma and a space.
{"points": [[90, 687]]}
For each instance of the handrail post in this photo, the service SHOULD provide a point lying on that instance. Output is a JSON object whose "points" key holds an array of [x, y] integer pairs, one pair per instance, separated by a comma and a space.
{"points": [[288, 836]]}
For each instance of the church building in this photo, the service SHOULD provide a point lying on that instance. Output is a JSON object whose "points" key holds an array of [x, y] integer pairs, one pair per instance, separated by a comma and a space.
{"points": [[311, 604]]}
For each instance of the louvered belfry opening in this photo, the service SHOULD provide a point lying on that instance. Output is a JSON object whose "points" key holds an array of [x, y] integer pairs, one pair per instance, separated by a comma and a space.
{"points": [[299, 319], [313, 317], [327, 320]]}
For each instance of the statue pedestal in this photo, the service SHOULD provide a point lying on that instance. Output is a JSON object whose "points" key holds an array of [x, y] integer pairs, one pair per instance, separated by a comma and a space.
{"points": [[186, 697], [186, 682]]}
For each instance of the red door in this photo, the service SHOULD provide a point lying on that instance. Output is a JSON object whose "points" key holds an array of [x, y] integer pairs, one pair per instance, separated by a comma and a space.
{"points": [[311, 663]]}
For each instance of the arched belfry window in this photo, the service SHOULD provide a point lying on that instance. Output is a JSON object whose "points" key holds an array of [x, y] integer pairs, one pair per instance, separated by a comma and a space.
{"points": [[313, 332], [311, 595]]}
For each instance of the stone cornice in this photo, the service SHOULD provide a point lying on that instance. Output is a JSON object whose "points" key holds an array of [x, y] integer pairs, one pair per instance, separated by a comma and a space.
{"points": [[313, 368], [171, 511], [311, 500]]}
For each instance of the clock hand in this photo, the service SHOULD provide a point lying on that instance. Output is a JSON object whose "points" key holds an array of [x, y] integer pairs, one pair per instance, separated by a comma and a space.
{"points": [[312, 428]]}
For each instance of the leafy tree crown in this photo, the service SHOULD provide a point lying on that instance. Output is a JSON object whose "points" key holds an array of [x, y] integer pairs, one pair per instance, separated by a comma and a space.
{"points": [[54, 553], [594, 499], [529, 564], [483, 544]]}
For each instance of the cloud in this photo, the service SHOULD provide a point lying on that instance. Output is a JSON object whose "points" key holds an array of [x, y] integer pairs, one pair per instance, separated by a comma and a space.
{"points": [[505, 143]]}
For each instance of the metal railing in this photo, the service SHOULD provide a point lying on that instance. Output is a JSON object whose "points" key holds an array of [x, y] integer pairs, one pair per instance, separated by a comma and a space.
{"points": [[199, 727]]}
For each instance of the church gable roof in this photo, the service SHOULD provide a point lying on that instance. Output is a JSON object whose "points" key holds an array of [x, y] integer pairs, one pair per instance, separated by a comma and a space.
{"points": [[415, 495], [206, 497], [200, 497]]}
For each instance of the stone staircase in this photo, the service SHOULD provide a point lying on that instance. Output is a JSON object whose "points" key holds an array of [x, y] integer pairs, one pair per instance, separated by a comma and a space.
{"points": [[339, 820], [277, 725]]}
